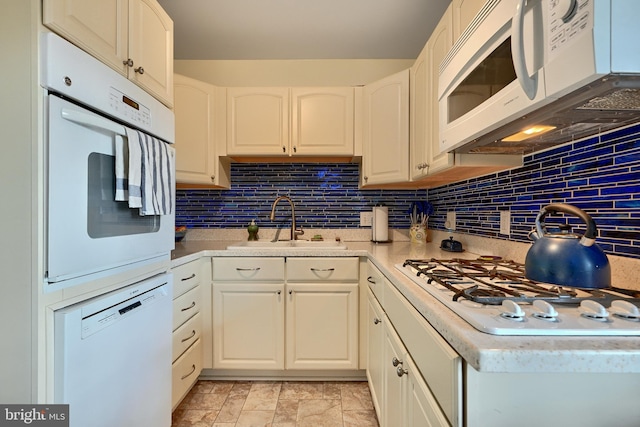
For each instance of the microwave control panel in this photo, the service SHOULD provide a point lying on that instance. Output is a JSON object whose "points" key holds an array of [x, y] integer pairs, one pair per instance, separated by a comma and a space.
{"points": [[568, 20]]}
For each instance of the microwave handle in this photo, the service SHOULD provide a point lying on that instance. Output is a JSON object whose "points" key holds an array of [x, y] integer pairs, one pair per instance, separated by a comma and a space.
{"points": [[91, 120], [528, 83]]}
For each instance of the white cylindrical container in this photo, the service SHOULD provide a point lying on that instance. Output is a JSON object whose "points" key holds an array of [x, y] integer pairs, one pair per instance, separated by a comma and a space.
{"points": [[380, 224]]}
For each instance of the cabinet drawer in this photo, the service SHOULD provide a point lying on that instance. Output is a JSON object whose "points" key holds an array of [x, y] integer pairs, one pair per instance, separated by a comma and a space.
{"points": [[375, 280], [185, 372], [439, 364], [315, 269], [185, 306], [186, 335], [185, 277], [248, 269]]}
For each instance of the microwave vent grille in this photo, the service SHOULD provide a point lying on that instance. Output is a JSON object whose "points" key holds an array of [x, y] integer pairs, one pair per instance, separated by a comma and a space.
{"points": [[623, 99]]}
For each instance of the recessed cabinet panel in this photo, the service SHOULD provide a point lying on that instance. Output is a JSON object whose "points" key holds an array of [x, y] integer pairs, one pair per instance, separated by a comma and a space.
{"points": [[386, 130], [322, 121], [257, 121], [322, 326], [319, 269]]}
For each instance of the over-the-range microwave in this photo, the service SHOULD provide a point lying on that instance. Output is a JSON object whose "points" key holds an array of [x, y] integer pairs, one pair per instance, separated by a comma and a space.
{"points": [[527, 75]]}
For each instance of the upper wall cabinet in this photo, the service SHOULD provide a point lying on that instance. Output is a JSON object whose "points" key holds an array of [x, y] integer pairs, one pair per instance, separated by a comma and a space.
{"points": [[198, 161], [385, 152], [463, 13], [299, 121], [134, 37]]}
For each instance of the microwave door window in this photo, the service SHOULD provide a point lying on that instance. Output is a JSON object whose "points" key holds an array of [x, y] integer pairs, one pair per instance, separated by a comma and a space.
{"points": [[490, 76], [107, 217]]}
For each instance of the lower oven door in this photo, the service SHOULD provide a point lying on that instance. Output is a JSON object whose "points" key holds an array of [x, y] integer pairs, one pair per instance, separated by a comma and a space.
{"points": [[88, 230]]}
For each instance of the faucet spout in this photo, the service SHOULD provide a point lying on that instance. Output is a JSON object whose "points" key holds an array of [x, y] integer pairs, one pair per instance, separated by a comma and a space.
{"points": [[294, 231]]}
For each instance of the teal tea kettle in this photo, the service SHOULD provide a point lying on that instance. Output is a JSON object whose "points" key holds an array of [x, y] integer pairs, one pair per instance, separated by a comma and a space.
{"points": [[565, 258]]}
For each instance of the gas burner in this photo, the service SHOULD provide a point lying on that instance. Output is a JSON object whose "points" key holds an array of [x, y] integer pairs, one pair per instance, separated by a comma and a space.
{"points": [[494, 296]]}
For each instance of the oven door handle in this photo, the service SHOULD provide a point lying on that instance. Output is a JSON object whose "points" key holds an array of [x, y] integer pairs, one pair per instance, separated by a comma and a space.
{"points": [[91, 120]]}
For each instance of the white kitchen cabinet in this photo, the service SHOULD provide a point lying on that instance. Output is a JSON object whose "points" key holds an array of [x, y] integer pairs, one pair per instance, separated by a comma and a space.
{"points": [[322, 313], [385, 157], [280, 121], [421, 375], [322, 121], [463, 13], [375, 336], [419, 83], [134, 37], [189, 282], [248, 325], [196, 108], [319, 302]]}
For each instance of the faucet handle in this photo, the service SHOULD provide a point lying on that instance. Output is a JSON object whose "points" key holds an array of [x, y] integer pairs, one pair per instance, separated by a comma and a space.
{"points": [[299, 231]]}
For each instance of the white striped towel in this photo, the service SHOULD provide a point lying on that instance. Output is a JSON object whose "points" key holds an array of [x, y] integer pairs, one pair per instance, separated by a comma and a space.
{"points": [[151, 174], [122, 169]]}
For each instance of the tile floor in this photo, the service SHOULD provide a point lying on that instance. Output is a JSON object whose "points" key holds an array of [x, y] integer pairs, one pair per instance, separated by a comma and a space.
{"points": [[276, 404]]}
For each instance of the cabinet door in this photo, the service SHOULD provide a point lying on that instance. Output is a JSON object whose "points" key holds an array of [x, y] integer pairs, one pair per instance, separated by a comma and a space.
{"points": [[437, 48], [197, 161], [257, 121], [393, 408], [151, 48], [322, 121], [419, 101], [322, 326], [422, 408], [463, 13], [248, 326], [97, 26], [386, 130], [375, 336]]}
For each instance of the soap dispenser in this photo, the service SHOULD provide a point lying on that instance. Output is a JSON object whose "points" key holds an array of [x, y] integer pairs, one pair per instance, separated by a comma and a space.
{"points": [[253, 230]]}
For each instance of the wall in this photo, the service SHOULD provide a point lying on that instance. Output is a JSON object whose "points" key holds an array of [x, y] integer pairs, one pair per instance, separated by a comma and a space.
{"points": [[600, 175], [325, 72]]}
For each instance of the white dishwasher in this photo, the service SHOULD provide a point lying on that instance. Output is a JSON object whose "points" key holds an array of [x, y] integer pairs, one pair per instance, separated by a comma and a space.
{"points": [[113, 357]]}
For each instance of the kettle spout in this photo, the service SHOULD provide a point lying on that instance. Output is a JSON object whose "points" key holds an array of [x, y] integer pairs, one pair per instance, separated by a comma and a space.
{"points": [[533, 235]]}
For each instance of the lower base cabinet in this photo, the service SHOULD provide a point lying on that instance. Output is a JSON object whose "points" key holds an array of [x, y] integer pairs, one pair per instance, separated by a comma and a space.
{"points": [[417, 381], [306, 319]]}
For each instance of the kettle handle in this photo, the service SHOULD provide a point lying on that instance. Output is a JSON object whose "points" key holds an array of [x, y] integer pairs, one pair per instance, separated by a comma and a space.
{"points": [[589, 236]]}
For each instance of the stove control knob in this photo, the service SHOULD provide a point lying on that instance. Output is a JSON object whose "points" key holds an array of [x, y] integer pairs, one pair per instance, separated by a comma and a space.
{"points": [[544, 310], [593, 310], [511, 310], [625, 310]]}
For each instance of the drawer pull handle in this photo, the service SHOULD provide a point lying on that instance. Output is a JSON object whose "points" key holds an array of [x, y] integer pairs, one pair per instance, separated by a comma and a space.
{"points": [[370, 280], [248, 269], [184, 279], [376, 321], [193, 304], [322, 269], [193, 369], [395, 361], [400, 372], [193, 334]]}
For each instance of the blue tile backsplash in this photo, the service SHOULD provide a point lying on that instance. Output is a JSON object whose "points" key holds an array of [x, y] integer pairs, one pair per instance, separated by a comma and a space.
{"points": [[600, 175]]}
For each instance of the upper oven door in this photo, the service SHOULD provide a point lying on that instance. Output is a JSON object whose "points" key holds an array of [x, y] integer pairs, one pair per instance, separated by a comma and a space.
{"points": [[88, 231], [494, 72]]}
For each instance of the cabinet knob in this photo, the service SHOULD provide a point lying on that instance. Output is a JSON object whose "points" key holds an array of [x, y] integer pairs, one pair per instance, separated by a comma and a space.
{"points": [[295, 149], [366, 178], [128, 62], [284, 149], [278, 292], [376, 321], [395, 361], [401, 371], [213, 178], [139, 70]]}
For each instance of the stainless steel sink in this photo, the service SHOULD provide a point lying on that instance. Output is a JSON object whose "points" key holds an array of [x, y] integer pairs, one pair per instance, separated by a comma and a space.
{"points": [[288, 244]]}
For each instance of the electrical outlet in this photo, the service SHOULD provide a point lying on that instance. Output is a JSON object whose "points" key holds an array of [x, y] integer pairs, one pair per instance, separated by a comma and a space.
{"points": [[505, 222], [450, 224], [366, 219]]}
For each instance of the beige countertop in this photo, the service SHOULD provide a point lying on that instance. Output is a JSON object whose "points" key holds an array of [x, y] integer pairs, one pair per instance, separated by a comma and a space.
{"points": [[485, 352]]}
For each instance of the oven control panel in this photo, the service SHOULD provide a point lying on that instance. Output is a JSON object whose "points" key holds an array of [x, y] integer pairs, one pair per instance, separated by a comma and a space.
{"points": [[128, 109]]}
